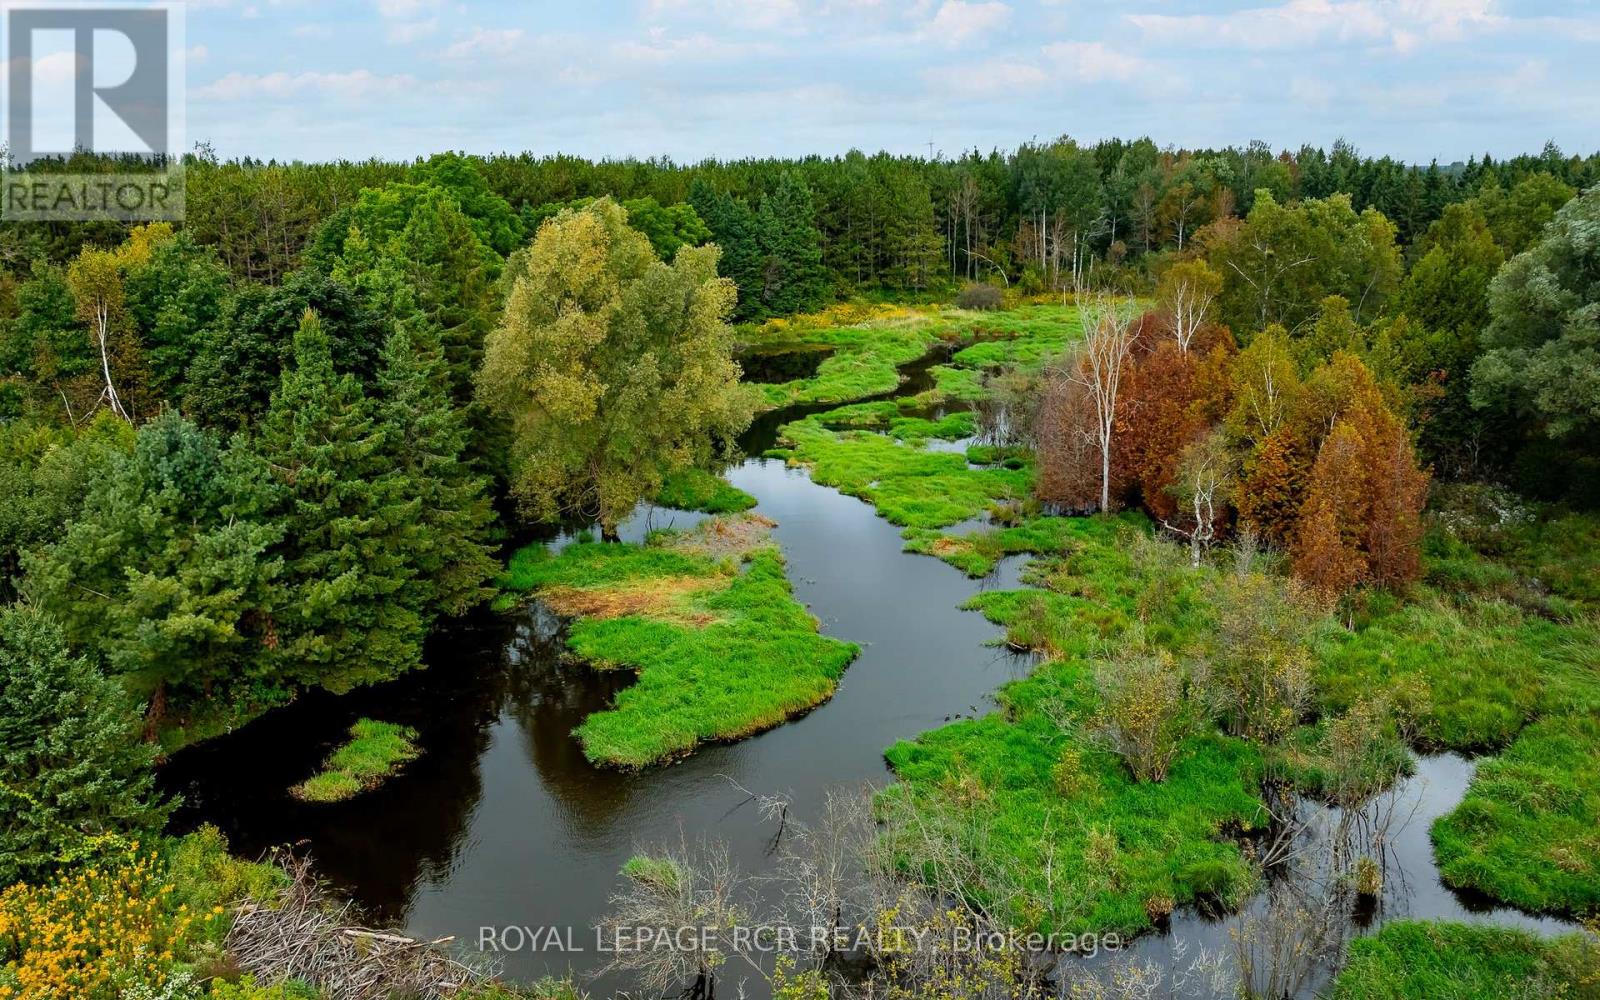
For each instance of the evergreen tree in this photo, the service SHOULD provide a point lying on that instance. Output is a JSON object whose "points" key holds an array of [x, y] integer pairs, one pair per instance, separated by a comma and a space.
{"points": [[792, 276], [349, 521], [71, 762], [165, 572], [426, 438]]}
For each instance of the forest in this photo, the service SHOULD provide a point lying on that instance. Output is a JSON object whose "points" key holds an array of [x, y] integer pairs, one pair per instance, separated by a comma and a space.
{"points": [[1300, 451]]}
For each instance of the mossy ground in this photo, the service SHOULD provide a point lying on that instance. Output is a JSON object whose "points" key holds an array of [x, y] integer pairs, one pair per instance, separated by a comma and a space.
{"points": [[1424, 960], [709, 622], [376, 751]]}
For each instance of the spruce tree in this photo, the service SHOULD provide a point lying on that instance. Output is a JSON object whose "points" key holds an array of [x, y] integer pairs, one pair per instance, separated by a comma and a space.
{"points": [[425, 438], [71, 762], [350, 520], [793, 278]]}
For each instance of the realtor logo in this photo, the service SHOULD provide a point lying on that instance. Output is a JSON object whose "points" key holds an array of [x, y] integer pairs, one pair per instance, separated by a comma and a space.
{"points": [[103, 79]]}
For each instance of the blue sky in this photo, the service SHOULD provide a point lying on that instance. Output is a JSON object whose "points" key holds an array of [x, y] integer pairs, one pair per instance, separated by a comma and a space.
{"points": [[318, 79]]}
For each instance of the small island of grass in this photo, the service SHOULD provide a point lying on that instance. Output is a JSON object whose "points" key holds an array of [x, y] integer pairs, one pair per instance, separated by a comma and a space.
{"points": [[375, 752], [707, 619]]}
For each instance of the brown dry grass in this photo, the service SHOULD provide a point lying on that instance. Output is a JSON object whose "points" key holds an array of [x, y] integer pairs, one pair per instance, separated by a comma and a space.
{"points": [[722, 537], [663, 598]]}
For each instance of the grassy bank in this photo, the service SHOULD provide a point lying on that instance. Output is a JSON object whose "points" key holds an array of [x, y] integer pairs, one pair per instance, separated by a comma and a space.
{"points": [[375, 752], [1528, 831], [1424, 960], [708, 621]]}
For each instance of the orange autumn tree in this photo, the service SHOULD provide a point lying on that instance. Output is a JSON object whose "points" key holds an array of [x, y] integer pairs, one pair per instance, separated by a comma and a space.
{"points": [[1172, 399], [1361, 518], [1328, 553]]}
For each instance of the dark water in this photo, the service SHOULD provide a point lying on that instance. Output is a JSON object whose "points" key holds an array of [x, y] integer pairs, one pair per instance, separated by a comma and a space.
{"points": [[778, 363], [501, 821]]}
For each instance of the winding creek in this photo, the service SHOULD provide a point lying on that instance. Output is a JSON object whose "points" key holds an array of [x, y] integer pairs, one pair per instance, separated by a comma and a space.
{"points": [[503, 822]]}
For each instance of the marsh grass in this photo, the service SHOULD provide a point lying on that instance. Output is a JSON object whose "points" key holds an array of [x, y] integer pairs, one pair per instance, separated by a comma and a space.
{"points": [[1528, 831], [721, 647], [1428, 960], [696, 489], [375, 751]]}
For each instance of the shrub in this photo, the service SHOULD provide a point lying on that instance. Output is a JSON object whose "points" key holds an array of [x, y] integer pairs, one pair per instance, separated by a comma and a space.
{"points": [[1258, 676], [981, 296], [1144, 714], [97, 932]]}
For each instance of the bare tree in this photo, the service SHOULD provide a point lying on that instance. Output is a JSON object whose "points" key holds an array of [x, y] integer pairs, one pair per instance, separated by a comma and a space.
{"points": [[1097, 365], [1186, 294], [1204, 480]]}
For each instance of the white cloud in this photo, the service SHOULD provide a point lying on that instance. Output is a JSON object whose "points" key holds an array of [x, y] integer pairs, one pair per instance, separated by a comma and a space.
{"points": [[486, 42], [356, 85], [754, 15], [1402, 24], [962, 21], [1091, 62]]}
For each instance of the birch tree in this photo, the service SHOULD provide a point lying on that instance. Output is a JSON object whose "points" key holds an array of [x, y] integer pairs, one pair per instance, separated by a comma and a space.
{"points": [[1187, 293], [1098, 366]]}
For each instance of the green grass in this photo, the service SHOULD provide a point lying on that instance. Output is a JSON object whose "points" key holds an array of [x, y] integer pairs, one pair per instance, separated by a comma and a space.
{"points": [[909, 485], [722, 651], [375, 751], [1424, 960], [1080, 850], [1059, 836], [1528, 831], [869, 344], [1490, 667], [696, 489]]}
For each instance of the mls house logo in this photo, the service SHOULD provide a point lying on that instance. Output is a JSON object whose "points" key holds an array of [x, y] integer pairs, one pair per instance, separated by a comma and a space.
{"points": [[94, 110]]}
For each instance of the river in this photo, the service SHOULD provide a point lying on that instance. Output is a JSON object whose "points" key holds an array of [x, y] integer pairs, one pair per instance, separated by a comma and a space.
{"points": [[502, 822]]}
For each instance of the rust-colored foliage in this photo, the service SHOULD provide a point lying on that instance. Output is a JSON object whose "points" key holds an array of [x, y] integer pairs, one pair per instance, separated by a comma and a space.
{"points": [[1274, 486], [1362, 521], [1068, 457], [1170, 399]]}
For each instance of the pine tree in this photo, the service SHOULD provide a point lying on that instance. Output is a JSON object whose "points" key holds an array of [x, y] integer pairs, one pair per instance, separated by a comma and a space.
{"points": [[350, 520], [793, 278], [71, 761], [426, 437]]}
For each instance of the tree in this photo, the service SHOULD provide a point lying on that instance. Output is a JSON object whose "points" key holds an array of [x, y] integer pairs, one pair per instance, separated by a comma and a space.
{"points": [[1282, 261], [165, 573], [613, 367], [96, 282], [349, 520], [1186, 294], [1098, 365], [1327, 542], [71, 762], [667, 227], [241, 362], [425, 438], [1200, 486], [173, 297], [793, 278], [1542, 347], [1266, 386]]}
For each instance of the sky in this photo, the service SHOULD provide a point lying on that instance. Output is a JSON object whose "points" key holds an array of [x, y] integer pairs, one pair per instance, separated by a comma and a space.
{"points": [[691, 79]]}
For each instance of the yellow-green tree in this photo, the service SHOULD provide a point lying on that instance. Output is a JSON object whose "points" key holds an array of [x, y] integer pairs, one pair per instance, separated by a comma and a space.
{"points": [[612, 367]]}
